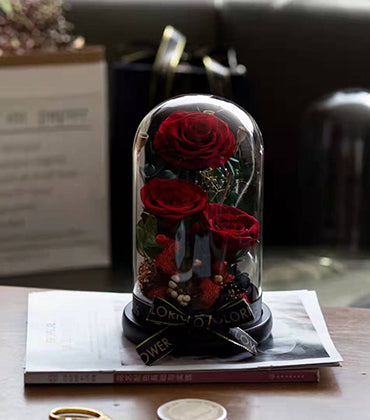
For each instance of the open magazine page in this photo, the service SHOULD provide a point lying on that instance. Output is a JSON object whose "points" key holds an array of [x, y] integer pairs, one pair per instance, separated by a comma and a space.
{"points": [[81, 332]]}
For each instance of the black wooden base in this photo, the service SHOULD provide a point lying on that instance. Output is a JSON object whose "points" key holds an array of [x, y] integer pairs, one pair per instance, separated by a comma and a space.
{"points": [[194, 342]]}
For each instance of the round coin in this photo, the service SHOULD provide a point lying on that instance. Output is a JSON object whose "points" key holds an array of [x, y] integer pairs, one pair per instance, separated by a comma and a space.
{"points": [[190, 409]]}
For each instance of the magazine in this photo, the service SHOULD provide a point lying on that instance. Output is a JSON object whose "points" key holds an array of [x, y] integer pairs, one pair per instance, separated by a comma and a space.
{"points": [[77, 337]]}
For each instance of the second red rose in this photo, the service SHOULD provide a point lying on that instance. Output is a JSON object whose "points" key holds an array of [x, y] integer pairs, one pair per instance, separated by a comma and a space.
{"points": [[172, 199], [230, 228]]}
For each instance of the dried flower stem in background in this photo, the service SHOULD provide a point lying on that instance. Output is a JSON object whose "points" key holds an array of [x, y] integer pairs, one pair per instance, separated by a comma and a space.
{"points": [[28, 25]]}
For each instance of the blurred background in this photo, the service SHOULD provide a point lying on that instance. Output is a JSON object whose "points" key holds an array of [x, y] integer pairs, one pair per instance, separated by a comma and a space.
{"points": [[285, 60]]}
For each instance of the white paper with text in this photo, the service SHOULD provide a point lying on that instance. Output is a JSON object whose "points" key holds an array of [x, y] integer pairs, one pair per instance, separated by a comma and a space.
{"points": [[53, 167]]}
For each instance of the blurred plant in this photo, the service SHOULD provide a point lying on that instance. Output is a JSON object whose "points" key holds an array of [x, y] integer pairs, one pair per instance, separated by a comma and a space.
{"points": [[27, 25]]}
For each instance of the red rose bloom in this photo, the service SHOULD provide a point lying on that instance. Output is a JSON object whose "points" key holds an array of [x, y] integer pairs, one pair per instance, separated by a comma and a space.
{"points": [[172, 199], [230, 227], [194, 140]]}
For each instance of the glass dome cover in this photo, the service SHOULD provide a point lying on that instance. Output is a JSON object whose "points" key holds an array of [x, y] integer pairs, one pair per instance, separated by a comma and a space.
{"points": [[197, 205], [334, 172]]}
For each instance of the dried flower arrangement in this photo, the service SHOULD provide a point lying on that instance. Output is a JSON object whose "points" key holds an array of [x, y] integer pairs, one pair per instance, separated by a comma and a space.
{"points": [[34, 25]]}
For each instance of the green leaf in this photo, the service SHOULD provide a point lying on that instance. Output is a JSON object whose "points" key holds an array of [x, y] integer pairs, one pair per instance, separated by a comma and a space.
{"points": [[150, 224], [147, 171], [146, 232], [167, 174], [230, 166], [156, 169], [231, 199], [140, 237], [240, 255], [152, 250]]}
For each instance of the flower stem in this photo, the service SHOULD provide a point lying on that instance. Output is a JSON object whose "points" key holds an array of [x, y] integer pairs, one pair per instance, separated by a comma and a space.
{"points": [[227, 186]]}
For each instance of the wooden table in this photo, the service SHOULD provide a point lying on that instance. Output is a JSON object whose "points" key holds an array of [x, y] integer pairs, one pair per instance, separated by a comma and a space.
{"points": [[343, 392]]}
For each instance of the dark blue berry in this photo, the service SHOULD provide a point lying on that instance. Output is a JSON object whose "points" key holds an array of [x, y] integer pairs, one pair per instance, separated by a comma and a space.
{"points": [[242, 281]]}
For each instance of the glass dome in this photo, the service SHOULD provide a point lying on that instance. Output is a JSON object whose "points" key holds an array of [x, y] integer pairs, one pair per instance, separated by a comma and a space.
{"points": [[335, 171], [197, 206]]}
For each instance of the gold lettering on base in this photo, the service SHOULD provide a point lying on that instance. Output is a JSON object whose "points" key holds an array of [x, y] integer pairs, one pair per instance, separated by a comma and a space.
{"points": [[158, 347]]}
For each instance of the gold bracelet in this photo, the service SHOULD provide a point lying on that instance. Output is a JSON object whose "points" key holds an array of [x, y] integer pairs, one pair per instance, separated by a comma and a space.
{"points": [[63, 413]]}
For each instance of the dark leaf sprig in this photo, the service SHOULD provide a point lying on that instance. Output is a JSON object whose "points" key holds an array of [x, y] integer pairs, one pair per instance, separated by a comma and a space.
{"points": [[146, 231]]}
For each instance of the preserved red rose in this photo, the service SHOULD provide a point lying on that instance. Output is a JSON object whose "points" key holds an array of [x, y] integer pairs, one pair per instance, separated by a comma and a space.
{"points": [[172, 199], [194, 140], [230, 227]]}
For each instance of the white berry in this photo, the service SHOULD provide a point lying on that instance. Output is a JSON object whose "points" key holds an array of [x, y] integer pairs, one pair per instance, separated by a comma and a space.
{"points": [[175, 278], [174, 294], [172, 284]]}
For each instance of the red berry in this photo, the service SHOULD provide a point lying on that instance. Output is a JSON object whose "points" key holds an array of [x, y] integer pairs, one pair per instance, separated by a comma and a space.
{"points": [[243, 295], [160, 291], [166, 261], [209, 292]]}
